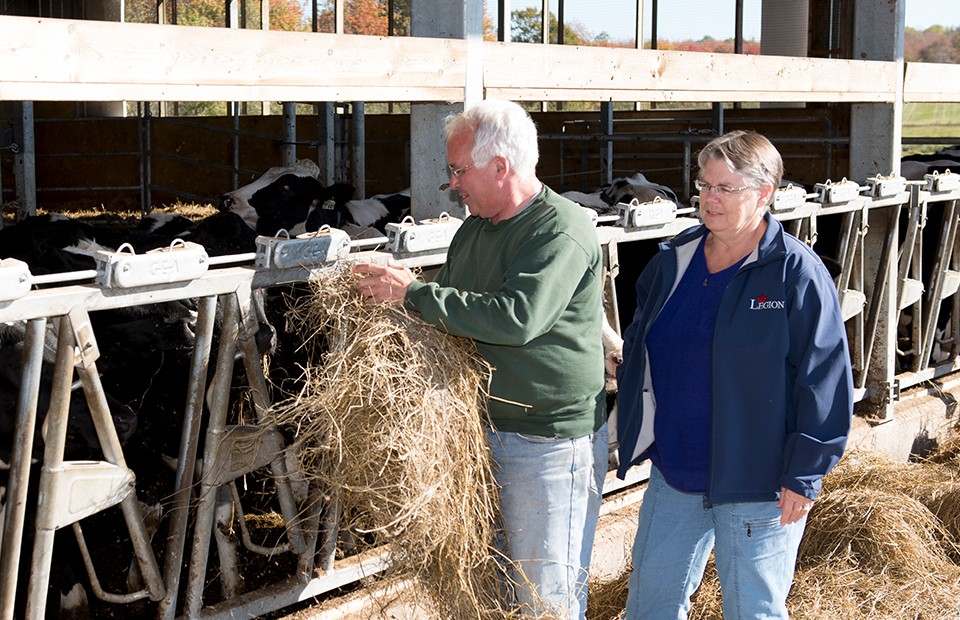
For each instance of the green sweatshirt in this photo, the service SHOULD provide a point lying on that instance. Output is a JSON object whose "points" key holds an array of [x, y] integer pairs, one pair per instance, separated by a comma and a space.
{"points": [[529, 292]]}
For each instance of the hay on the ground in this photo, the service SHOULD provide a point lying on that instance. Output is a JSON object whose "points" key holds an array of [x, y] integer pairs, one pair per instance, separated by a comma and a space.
{"points": [[880, 543], [390, 423]]}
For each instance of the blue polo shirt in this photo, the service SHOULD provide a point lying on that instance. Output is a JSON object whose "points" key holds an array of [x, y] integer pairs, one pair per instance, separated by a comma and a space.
{"points": [[679, 345]]}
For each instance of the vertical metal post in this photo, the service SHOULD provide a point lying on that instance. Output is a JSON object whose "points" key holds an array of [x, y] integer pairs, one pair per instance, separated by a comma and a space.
{"points": [[717, 118], [653, 24], [606, 144], [54, 441], [358, 163], [207, 493], [148, 154], [504, 21], [289, 133], [560, 22], [25, 161], [141, 158], [236, 144], [189, 445], [326, 143], [738, 28], [20, 456]]}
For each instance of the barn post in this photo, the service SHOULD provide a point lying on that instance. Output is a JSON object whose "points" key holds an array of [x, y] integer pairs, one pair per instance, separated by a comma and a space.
{"points": [[25, 160], [875, 136], [606, 143], [21, 455], [455, 20], [876, 128], [358, 152], [289, 133]]}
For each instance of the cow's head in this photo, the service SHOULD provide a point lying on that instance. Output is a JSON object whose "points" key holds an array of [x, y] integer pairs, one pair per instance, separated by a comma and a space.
{"points": [[289, 198], [244, 200]]}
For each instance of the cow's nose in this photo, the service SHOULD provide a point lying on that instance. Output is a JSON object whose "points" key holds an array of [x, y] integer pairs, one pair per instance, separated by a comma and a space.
{"points": [[226, 202]]}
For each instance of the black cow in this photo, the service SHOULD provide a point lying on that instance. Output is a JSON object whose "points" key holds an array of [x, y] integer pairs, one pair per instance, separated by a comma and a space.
{"points": [[54, 243]]}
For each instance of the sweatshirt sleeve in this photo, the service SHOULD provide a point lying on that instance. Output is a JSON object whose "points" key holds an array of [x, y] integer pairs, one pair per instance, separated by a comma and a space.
{"points": [[823, 387], [534, 292]]}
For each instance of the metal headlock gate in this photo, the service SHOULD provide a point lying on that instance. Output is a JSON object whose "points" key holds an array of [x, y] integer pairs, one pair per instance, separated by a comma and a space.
{"points": [[888, 259]]}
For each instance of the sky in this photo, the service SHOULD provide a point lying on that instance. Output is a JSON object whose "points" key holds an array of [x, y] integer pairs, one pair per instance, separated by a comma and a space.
{"points": [[694, 19]]}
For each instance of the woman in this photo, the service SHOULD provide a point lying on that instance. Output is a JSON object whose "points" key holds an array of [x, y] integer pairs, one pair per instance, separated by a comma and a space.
{"points": [[736, 384]]}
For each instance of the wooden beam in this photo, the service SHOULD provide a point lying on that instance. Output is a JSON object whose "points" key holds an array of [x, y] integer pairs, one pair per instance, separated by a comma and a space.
{"points": [[927, 81], [69, 60], [599, 74]]}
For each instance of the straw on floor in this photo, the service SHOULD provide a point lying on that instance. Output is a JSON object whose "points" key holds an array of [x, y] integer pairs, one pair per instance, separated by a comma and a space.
{"points": [[882, 542]]}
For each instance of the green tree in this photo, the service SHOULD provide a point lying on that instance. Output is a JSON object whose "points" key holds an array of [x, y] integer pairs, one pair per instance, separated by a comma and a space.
{"points": [[201, 13], [526, 27]]}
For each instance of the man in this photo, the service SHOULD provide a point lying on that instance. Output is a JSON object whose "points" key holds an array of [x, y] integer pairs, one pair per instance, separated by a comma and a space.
{"points": [[523, 279]]}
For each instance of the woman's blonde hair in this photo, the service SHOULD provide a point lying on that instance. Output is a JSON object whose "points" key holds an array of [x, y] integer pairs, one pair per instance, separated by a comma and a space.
{"points": [[749, 154]]}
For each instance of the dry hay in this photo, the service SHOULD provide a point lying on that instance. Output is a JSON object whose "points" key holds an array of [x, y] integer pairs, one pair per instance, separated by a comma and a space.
{"points": [[881, 542], [607, 599], [947, 453], [935, 482], [390, 424], [878, 470]]}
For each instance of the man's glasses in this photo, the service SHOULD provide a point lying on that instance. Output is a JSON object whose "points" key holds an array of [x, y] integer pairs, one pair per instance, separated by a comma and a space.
{"points": [[719, 190], [457, 172]]}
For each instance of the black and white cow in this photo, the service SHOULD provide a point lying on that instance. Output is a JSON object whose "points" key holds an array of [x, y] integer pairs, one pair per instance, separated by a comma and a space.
{"points": [[293, 199], [604, 200], [913, 167]]}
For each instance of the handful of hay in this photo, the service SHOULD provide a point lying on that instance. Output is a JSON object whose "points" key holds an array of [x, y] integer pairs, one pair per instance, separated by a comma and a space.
{"points": [[390, 424]]}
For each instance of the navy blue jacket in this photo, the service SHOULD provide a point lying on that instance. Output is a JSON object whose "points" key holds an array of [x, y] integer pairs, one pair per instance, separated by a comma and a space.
{"points": [[782, 387]]}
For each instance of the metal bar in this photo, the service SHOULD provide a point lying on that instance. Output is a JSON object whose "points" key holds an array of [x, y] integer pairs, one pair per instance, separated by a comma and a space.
{"points": [[289, 150], [141, 160], [54, 440], [189, 445], [291, 591], [948, 235], [260, 395], [25, 160], [207, 493], [504, 17], [20, 456], [79, 324], [358, 131], [879, 289], [148, 154], [606, 146]]}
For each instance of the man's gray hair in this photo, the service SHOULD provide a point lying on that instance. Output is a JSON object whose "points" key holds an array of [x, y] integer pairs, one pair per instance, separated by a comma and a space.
{"points": [[500, 128], [749, 154]]}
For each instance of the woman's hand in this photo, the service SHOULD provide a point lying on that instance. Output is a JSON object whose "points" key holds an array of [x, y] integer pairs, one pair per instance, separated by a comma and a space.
{"points": [[793, 506]]}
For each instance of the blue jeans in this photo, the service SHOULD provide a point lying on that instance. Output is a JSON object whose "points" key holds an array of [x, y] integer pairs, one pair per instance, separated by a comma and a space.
{"points": [[549, 506], [755, 555]]}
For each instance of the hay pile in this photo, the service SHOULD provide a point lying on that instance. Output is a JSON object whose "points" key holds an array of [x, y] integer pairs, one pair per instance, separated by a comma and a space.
{"points": [[390, 424], [882, 541]]}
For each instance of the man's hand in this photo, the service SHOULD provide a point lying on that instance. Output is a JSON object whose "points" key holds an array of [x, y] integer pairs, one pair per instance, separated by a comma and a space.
{"points": [[383, 282], [793, 506]]}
